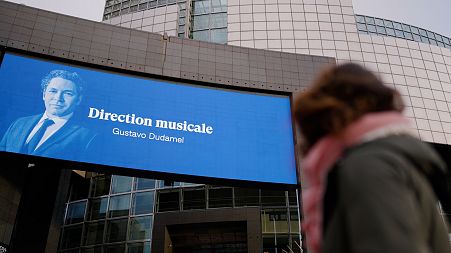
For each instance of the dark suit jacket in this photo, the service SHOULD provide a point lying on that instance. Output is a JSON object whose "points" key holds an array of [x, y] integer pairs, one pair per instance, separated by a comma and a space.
{"points": [[71, 142]]}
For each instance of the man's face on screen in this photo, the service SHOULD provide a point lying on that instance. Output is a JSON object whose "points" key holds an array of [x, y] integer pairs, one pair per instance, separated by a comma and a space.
{"points": [[61, 97]]}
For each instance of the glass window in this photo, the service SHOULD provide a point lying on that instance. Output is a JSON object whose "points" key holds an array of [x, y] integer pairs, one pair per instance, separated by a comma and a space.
{"points": [[369, 20], [273, 198], [152, 4], [440, 44], [162, 2], [115, 14], [117, 248], [181, 29], [292, 198], [139, 247], [438, 37], [274, 221], [433, 42], [408, 35], [182, 13], [371, 28], [181, 21], [397, 25], [406, 28], [218, 6], [116, 230], [94, 233], [134, 8], [381, 30], [194, 198], [390, 32], [201, 7], [100, 186], [415, 30], [71, 237], [119, 206], [168, 201], [424, 39], [416, 38], [379, 21], [140, 228], [125, 11], [121, 184], [360, 19], [182, 6], [116, 7], [97, 249], [125, 4], [361, 27], [399, 34], [446, 40], [201, 22], [142, 7], [430, 35], [388, 23], [143, 202], [246, 197], [75, 212], [219, 36], [202, 35], [294, 220], [423, 32], [144, 184], [218, 20], [97, 208], [181, 35], [220, 197]]}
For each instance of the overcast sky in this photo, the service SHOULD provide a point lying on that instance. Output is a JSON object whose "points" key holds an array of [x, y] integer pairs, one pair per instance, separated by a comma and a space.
{"points": [[434, 15]]}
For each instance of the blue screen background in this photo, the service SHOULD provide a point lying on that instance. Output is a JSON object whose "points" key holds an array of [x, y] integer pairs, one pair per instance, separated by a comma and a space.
{"points": [[252, 134]]}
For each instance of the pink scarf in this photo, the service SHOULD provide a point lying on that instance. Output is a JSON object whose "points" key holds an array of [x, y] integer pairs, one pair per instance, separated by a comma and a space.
{"points": [[321, 158]]}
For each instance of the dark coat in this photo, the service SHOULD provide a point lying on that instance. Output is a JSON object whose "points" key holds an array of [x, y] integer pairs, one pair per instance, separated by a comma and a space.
{"points": [[70, 142], [379, 199]]}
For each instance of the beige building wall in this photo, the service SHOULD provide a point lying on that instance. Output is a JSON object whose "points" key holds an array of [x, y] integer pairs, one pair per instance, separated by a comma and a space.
{"points": [[420, 72]]}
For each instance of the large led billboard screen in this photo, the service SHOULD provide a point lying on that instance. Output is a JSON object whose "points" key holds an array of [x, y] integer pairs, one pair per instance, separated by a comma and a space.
{"points": [[80, 114]]}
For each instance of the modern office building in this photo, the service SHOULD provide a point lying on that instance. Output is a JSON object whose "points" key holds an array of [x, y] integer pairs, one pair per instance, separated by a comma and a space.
{"points": [[271, 46]]}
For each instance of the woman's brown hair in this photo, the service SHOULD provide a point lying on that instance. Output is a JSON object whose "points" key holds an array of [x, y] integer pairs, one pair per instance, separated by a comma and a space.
{"points": [[339, 96]]}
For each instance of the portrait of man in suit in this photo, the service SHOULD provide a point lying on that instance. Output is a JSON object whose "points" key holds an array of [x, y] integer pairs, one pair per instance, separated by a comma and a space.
{"points": [[54, 133]]}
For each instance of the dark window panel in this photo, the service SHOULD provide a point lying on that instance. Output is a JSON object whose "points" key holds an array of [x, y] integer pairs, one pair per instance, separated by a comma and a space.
{"points": [[247, 197], [168, 201], [292, 198], [97, 208], [142, 7], [273, 198], [134, 8], [97, 249], [118, 248], [76, 212], [220, 197], [93, 233], [140, 228], [194, 198], [71, 237], [139, 247], [116, 230], [125, 11], [100, 186]]}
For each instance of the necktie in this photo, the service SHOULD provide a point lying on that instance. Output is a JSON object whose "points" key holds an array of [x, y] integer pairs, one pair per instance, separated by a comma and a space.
{"points": [[31, 146]]}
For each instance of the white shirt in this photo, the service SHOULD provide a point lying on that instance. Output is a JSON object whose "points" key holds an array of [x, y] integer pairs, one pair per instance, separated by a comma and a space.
{"points": [[59, 122]]}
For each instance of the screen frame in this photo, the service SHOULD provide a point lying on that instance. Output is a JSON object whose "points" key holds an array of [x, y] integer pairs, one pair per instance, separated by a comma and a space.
{"points": [[74, 165]]}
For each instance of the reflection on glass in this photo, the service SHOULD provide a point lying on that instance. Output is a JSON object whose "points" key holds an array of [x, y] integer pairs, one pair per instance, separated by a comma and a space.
{"points": [[97, 208], [144, 184], [116, 230], [140, 228], [143, 202], [94, 233], [75, 212], [201, 7], [119, 205], [219, 36], [202, 35], [121, 184], [201, 22]]}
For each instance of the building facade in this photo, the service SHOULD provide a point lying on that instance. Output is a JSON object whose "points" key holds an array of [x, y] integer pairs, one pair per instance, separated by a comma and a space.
{"points": [[273, 45]]}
